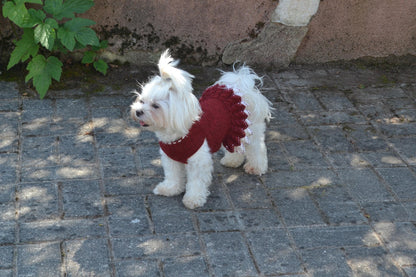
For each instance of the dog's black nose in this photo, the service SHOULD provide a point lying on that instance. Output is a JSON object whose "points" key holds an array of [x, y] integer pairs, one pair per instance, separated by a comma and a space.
{"points": [[139, 113]]}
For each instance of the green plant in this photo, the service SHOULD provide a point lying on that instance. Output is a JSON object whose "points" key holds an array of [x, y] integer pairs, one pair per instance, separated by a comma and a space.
{"points": [[51, 27]]}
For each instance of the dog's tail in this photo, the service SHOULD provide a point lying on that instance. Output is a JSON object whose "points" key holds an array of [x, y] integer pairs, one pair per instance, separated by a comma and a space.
{"points": [[245, 81]]}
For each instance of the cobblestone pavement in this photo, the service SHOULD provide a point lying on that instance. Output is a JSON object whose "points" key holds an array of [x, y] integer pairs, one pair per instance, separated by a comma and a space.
{"points": [[339, 198]]}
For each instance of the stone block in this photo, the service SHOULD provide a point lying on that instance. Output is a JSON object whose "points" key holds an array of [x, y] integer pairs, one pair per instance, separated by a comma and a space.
{"points": [[275, 45]]}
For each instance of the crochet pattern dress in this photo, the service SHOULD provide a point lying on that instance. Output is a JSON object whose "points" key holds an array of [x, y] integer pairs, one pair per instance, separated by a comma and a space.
{"points": [[223, 122]]}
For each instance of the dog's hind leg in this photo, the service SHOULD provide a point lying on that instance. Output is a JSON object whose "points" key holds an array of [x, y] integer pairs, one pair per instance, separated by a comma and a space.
{"points": [[234, 159], [256, 151]]}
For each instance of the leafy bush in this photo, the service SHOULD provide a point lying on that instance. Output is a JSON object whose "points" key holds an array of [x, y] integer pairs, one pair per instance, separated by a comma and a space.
{"points": [[51, 28]]}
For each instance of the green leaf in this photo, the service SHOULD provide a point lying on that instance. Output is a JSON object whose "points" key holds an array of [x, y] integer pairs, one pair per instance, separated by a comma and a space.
{"points": [[89, 57], [78, 6], [45, 34], [25, 48], [35, 17], [103, 45], [101, 66], [76, 24], [17, 13], [42, 70], [87, 36], [28, 1], [67, 38], [54, 7]]}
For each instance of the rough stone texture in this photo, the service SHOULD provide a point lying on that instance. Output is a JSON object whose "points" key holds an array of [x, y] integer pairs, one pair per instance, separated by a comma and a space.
{"points": [[276, 45], [338, 200], [195, 29], [295, 12], [345, 30]]}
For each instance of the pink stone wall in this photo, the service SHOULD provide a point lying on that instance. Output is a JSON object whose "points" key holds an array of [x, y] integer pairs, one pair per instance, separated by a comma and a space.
{"points": [[193, 28], [199, 31], [350, 29]]}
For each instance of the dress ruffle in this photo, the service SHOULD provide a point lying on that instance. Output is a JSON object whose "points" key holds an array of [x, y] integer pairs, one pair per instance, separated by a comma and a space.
{"points": [[237, 112]]}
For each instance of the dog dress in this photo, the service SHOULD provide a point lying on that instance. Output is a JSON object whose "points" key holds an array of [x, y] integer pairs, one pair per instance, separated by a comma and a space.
{"points": [[223, 122]]}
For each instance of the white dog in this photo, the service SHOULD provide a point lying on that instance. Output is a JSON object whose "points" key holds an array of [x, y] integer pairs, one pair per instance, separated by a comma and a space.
{"points": [[231, 113]]}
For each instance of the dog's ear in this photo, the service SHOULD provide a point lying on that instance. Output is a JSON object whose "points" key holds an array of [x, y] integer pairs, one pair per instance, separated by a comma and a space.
{"points": [[181, 81]]}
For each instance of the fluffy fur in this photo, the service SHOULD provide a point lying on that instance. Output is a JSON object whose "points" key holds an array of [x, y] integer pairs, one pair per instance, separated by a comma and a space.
{"points": [[167, 106]]}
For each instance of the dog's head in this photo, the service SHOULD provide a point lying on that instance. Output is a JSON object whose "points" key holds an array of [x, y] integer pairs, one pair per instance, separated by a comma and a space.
{"points": [[166, 103]]}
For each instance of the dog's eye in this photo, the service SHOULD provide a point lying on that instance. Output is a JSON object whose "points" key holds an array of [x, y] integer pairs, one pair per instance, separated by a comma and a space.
{"points": [[141, 101], [155, 106]]}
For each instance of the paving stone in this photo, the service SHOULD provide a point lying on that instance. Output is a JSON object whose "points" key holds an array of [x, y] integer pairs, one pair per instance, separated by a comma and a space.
{"points": [[385, 212], [247, 192], [334, 101], [348, 160], [218, 221], [339, 236], [400, 238], [173, 223], [398, 129], [364, 185], [8, 124], [331, 138], [305, 101], [228, 254], [7, 231], [306, 178], [39, 151], [410, 209], [38, 201], [133, 185], [39, 259], [337, 205], [8, 90], [135, 226], [383, 159], [186, 267], [72, 108], [259, 219], [50, 230], [6, 256], [304, 153], [137, 268], [87, 258], [337, 200], [81, 198], [410, 271], [332, 118], [401, 180], [331, 262], [273, 253], [6, 193], [365, 137], [156, 246], [278, 160], [296, 207], [118, 162], [406, 148], [371, 261], [6, 272]]}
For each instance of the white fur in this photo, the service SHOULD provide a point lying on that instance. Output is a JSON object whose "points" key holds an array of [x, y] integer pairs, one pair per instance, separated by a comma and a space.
{"points": [[168, 107]]}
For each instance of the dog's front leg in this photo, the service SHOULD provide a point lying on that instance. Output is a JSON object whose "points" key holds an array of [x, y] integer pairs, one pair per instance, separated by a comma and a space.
{"points": [[199, 174], [174, 182]]}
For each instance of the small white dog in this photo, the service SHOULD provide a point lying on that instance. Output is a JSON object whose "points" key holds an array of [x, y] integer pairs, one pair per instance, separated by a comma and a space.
{"points": [[231, 113]]}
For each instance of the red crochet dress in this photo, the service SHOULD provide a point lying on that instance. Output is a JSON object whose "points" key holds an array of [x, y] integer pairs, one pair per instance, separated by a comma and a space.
{"points": [[223, 121]]}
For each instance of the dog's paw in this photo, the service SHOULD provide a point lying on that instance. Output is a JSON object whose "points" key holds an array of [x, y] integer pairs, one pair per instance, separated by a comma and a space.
{"points": [[166, 188], [255, 169], [194, 200], [232, 161]]}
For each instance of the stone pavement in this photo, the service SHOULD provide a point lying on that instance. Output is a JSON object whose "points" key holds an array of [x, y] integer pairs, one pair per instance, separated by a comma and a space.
{"points": [[339, 198]]}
